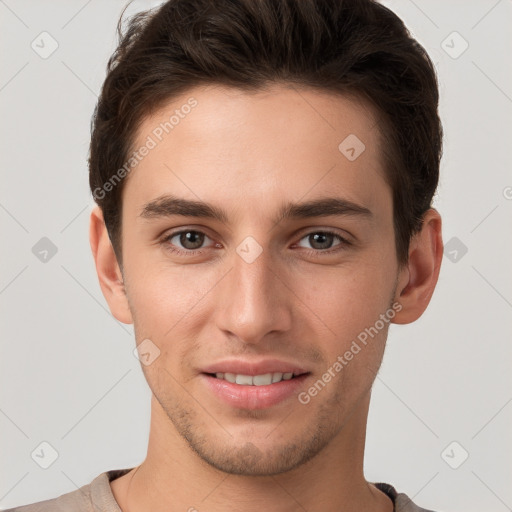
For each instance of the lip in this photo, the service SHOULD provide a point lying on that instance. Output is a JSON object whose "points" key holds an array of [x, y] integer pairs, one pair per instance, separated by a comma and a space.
{"points": [[252, 368], [253, 397]]}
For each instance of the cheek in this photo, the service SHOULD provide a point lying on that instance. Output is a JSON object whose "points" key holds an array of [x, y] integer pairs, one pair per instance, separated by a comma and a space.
{"points": [[166, 305], [350, 304], [166, 299], [347, 300]]}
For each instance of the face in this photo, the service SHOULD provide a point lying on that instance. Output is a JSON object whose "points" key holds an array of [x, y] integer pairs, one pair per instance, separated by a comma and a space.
{"points": [[286, 269]]}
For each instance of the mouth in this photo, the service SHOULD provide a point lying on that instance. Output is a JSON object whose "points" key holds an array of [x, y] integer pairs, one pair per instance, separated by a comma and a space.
{"points": [[254, 392], [265, 379]]}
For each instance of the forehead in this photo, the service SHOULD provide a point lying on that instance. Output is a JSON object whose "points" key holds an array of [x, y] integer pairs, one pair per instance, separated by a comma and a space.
{"points": [[219, 143]]}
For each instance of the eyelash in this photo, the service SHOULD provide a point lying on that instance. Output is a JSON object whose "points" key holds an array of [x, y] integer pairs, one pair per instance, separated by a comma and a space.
{"points": [[193, 252]]}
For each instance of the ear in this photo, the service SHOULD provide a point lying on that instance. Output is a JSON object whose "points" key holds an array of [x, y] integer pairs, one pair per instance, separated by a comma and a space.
{"points": [[107, 268], [418, 279]]}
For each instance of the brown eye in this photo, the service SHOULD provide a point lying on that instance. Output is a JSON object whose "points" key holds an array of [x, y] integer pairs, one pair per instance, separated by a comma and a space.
{"points": [[324, 240], [191, 239], [186, 242], [321, 240]]}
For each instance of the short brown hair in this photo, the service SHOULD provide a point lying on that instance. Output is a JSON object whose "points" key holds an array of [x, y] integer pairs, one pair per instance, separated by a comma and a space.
{"points": [[345, 46]]}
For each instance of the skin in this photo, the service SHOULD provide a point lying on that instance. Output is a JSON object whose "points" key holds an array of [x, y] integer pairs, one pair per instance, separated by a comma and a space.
{"points": [[248, 153]]}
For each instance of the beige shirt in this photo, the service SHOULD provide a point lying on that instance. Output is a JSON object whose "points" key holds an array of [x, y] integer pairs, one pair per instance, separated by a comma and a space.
{"points": [[97, 497]]}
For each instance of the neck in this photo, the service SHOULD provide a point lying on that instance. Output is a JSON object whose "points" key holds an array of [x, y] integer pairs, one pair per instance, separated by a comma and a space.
{"points": [[174, 478]]}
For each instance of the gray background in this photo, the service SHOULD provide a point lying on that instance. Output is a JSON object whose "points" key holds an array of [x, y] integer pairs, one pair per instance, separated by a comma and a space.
{"points": [[68, 375]]}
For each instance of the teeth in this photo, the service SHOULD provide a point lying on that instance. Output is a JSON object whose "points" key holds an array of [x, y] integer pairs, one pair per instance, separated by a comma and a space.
{"points": [[276, 377], [230, 377], [262, 380], [245, 380], [256, 380]]}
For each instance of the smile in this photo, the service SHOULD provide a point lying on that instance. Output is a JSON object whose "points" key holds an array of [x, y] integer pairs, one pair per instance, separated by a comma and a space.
{"points": [[253, 392], [255, 380]]}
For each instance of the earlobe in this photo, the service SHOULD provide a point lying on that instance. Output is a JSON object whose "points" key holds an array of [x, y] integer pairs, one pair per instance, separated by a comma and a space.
{"points": [[418, 279], [109, 274]]}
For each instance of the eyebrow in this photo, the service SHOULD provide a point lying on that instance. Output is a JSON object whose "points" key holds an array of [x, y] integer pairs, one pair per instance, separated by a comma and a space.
{"points": [[169, 205]]}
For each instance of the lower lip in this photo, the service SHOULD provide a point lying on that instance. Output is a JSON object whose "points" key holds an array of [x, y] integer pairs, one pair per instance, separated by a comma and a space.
{"points": [[254, 397]]}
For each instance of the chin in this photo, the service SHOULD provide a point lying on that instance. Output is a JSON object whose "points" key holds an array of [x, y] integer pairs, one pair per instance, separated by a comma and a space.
{"points": [[250, 454], [249, 460]]}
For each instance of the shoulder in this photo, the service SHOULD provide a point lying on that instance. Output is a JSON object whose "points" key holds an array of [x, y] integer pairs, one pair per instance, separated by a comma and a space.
{"points": [[78, 500], [402, 502], [91, 497]]}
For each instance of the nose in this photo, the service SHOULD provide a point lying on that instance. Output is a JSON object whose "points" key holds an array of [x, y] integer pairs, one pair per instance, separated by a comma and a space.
{"points": [[254, 299]]}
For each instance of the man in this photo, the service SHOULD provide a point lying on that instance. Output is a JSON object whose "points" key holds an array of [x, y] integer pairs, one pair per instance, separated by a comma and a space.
{"points": [[264, 171]]}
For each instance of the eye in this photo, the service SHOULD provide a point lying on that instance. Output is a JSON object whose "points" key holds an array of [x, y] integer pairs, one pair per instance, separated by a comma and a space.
{"points": [[322, 241], [190, 240]]}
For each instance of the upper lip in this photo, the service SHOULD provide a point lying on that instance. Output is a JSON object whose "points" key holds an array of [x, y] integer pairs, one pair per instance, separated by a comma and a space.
{"points": [[261, 367]]}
